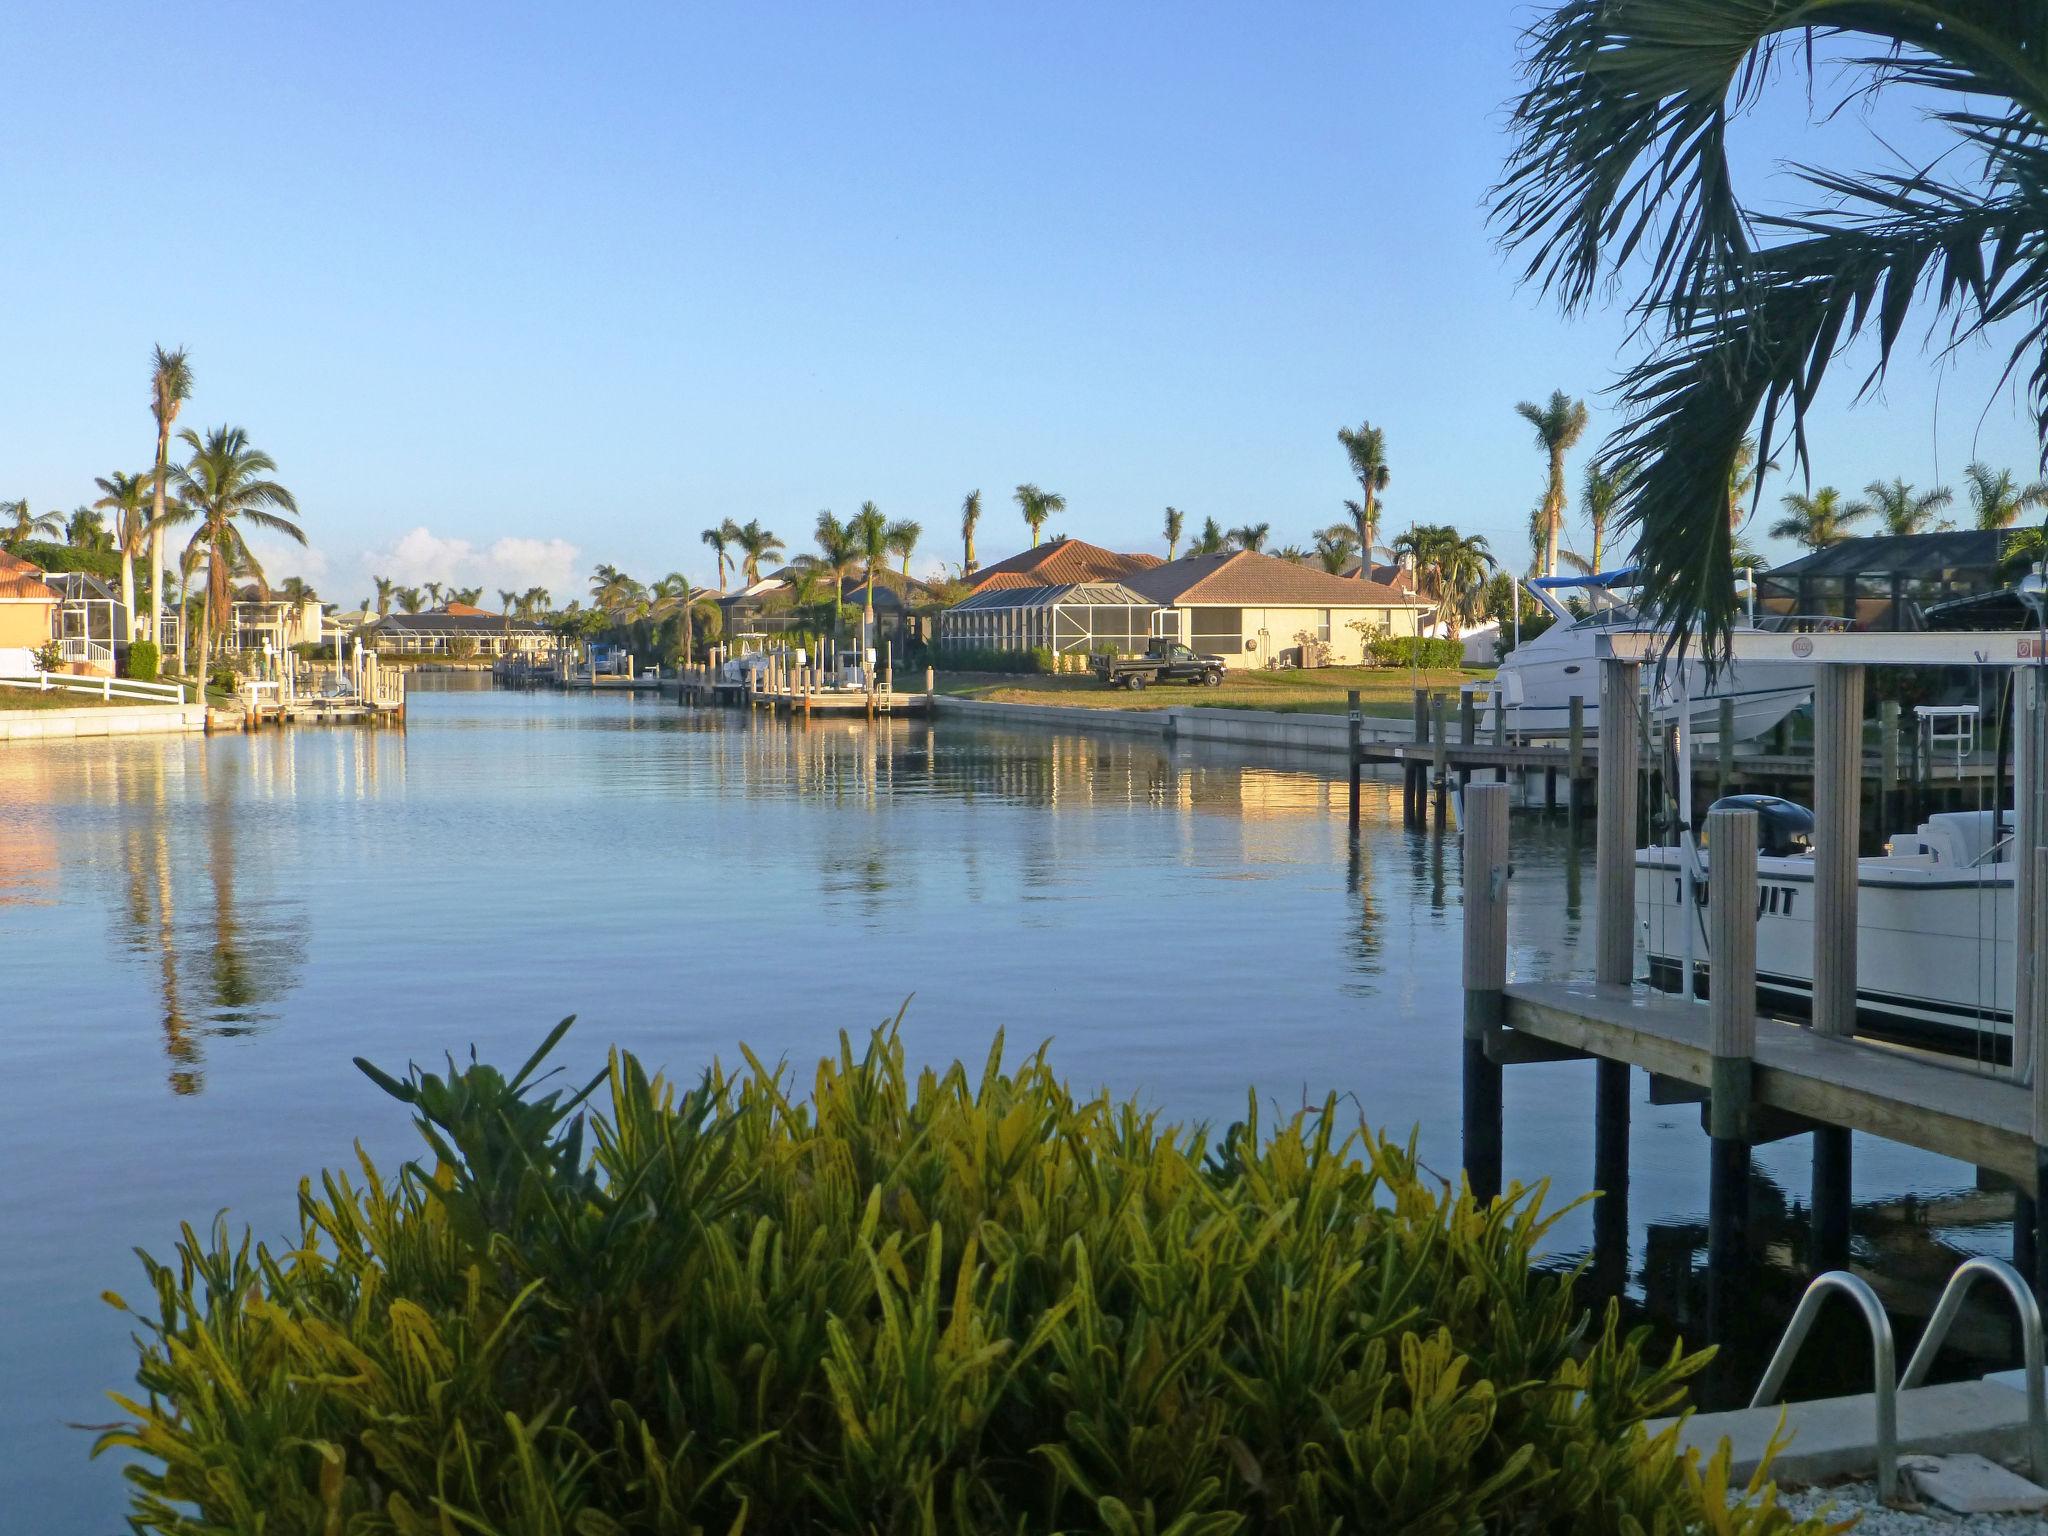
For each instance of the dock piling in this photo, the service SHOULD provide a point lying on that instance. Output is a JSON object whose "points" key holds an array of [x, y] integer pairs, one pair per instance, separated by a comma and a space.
{"points": [[1440, 757], [1575, 758], [1485, 978], [1724, 749], [1838, 790], [1614, 858], [1731, 949], [1356, 734]]}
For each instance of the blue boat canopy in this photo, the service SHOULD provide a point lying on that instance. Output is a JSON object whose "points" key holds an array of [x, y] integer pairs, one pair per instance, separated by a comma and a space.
{"points": [[1624, 576]]}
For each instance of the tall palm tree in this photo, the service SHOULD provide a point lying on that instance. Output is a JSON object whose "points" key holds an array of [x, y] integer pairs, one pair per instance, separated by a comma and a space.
{"points": [[1900, 509], [755, 544], [1210, 540], [408, 599], [1335, 545], [188, 567], [296, 589], [1464, 564], [1622, 167], [1252, 536], [1817, 520], [127, 497], [837, 552], [226, 487], [1037, 506], [86, 529], [1366, 448], [612, 589], [1599, 498], [385, 587], [870, 531], [535, 602], [720, 539], [970, 519], [1996, 499], [903, 537], [25, 525], [170, 386], [1559, 422], [1175, 520]]}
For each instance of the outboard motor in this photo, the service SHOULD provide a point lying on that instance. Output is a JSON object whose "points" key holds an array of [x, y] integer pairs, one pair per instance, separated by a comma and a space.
{"points": [[1784, 829]]}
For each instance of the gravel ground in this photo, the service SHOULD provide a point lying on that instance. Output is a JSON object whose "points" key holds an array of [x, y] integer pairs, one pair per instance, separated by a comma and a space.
{"points": [[1861, 1499]]}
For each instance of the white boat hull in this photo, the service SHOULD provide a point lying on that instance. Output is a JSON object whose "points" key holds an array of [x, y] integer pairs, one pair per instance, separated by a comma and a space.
{"points": [[1934, 947], [1538, 695]]}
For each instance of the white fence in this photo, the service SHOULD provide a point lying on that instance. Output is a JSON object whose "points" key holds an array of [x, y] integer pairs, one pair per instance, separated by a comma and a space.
{"points": [[98, 687]]}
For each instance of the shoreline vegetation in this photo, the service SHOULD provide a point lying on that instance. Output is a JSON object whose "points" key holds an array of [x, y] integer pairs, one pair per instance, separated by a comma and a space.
{"points": [[1384, 692], [901, 1301]]}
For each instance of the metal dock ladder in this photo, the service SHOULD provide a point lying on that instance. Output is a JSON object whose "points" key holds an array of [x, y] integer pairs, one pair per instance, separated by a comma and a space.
{"points": [[1884, 1389]]}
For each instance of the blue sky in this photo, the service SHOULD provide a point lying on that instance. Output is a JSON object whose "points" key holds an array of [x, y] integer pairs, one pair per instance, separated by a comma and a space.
{"points": [[510, 290]]}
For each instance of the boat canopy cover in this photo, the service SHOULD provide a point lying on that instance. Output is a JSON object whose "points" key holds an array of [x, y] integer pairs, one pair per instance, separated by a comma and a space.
{"points": [[1623, 576]]}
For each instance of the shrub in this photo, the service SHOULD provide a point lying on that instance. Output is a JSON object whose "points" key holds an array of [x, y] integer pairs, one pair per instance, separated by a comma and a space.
{"points": [[144, 659], [963, 658], [1415, 651], [224, 680], [947, 1303], [49, 656]]}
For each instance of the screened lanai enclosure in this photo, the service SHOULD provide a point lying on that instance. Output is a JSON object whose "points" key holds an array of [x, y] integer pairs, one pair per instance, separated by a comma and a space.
{"points": [[1889, 582], [1088, 616]]}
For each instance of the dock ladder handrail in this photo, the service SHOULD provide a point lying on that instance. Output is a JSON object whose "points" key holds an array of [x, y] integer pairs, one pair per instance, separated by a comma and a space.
{"points": [[1884, 1372], [1984, 1267]]}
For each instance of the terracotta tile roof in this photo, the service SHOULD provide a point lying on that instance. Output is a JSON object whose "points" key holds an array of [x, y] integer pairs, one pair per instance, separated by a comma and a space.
{"points": [[466, 611], [1064, 564], [20, 580], [1240, 576]]}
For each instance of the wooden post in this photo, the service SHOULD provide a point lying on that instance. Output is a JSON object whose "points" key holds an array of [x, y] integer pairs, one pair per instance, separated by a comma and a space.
{"points": [[1440, 756], [1421, 715], [1575, 757], [1888, 783], [1837, 791], [1614, 857], [1356, 734], [2034, 920], [1486, 978], [1500, 718], [1731, 948], [1468, 719], [1724, 749]]}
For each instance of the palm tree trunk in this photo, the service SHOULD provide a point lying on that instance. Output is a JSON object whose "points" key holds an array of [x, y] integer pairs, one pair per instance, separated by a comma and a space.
{"points": [[156, 532], [128, 589], [1555, 515]]}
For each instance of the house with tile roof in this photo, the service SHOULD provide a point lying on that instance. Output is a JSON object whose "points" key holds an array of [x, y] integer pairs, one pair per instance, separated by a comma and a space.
{"points": [[1253, 609], [1061, 563], [28, 614]]}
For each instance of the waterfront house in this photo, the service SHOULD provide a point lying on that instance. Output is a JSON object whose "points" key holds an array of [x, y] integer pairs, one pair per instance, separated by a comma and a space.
{"points": [[90, 621], [1257, 610], [1061, 563], [256, 618], [28, 615], [1886, 582], [458, 630]]}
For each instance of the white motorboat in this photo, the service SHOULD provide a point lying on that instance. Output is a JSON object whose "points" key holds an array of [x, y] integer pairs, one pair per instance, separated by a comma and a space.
{"points": [[1935, 922], [1537, 680]]}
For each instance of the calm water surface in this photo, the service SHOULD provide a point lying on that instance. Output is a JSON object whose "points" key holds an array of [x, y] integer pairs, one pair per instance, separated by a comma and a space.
{"points": [[196, 935]]}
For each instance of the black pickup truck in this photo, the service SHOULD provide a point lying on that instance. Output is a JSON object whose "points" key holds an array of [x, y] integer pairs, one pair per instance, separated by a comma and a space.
{"points": [[1163, 663]]}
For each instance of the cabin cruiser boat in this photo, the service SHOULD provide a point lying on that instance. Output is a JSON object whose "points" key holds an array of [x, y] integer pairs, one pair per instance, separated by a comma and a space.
{"points": [[1537, 680], [1935, 922]]}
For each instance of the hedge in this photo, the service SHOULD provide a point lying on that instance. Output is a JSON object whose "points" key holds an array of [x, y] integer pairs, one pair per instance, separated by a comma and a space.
{"points": [[945, 1301], [962, 658], [1415, 651], [143, 661]]}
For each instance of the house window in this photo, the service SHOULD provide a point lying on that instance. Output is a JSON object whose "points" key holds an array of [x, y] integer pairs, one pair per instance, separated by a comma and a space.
{"points": [[1323, 627]]}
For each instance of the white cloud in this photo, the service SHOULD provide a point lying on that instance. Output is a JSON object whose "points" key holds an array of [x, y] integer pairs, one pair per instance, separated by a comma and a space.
{"points": [[511, 564]]}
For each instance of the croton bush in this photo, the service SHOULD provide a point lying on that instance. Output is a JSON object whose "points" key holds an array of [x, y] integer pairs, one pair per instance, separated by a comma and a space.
{"points": [[942, 1301]]}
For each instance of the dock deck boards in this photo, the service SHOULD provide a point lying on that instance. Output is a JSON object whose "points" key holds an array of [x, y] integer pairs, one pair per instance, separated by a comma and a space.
{"points": [[1952, 1109]]}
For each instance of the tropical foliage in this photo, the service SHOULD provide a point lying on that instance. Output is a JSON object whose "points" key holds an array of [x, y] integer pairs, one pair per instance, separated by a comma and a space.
{"points": [[1037, 506], [1176, 520], [1365, 446], [1996, 499], [170, 386], [908, 1303], [226, 488], [1819, 519], [970, 519], [1560, 422], [1901, 508], [1622, 171]]}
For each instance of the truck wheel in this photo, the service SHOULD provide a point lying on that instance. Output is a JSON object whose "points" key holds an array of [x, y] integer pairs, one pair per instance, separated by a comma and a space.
{"points": [[1212, 679], [1138, 681]]}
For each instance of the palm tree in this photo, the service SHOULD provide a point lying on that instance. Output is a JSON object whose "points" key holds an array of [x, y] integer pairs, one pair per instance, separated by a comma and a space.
{"points": [[1037, 506], [1598, 500], [465, 597], [86, 529], [225, 487], [296, 589], [1464, 564], [970, 519], [870, 534], [385, 587], [170, 386], [612, 589], [1901, 511], [535, 602], [27, 525], [1622, 159], [903, 537], [1559, 422], [1817, 520], [1366, 448], [1175, 518], [1335, 545], [1744, 475], [756, 544], [1210, 540], [1997, 499], [188, 567], [409, 599], [1252, 536], [837, 552], [127, 497], [720, 539]]}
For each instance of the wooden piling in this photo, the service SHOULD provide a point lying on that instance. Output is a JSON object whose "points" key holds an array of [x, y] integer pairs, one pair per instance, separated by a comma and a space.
{"points": [[1614, 857], [930, 693], [1355, 732], [1731, 946], [1575, 757], [1724, 749], [1485, 978], [1468, 719], [1440, 755], [1888, 780], [1837, 793]]}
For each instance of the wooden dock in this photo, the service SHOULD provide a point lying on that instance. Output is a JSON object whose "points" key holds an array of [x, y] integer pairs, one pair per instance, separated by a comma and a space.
{"points": [[782, 688], [1758, 1078]]}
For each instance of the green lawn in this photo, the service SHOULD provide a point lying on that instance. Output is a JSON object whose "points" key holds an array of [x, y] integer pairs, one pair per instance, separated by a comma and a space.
{"points": [[1387, 691]]}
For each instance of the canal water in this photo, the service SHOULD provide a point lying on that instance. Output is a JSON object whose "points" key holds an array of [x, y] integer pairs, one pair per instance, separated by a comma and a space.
{"points": [[198, 934]]}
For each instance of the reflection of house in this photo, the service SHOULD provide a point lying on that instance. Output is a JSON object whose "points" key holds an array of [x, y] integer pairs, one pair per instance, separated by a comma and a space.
{"points": [[1887, 582], [1249, 608], [283, 622], [28, 615], [458, 630]]}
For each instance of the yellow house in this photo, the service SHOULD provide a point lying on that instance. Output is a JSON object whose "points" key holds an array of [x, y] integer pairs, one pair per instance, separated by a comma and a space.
{"points": [[1253, 609], [28, 615]]}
